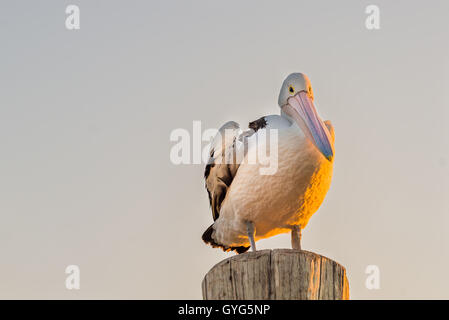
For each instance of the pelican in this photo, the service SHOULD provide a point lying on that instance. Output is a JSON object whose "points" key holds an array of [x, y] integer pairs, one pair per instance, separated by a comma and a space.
{"points": [[248, 206]]}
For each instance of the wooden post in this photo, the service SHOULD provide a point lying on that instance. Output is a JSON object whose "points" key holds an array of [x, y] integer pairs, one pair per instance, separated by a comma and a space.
{"points": [[276, 275]]}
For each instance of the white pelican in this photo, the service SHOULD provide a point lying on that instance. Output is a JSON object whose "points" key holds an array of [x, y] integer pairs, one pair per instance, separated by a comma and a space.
{"points": [[248, 206]]}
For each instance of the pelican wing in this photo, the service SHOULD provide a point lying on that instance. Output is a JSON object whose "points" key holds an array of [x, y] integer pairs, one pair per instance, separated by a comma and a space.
{"points": [[226, 153]]}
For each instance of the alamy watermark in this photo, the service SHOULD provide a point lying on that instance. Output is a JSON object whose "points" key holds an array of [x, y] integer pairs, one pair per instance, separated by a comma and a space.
{"points": [[372, 281], [372, 21], [229, 147], [72, 21], [73, 279]]}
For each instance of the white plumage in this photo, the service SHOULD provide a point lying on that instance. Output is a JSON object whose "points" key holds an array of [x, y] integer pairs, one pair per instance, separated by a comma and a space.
{"points": [[247, 204]]}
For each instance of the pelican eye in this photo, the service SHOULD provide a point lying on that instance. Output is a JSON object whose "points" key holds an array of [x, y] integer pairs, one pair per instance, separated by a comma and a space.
{"points": [[291, 89]]}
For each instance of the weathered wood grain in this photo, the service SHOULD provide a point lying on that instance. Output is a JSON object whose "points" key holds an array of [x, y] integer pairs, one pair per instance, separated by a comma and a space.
{"points": [[276, 275]]}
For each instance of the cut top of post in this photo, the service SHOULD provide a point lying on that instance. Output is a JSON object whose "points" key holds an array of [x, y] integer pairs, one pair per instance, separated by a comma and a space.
{"points": [[276, 275]]}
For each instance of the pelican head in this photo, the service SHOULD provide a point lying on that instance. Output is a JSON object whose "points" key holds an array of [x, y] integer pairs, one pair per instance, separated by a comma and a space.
{"points": [[296, 102]]}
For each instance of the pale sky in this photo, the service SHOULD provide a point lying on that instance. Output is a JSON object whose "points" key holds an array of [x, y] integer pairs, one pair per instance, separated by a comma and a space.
{"points": [[86, 116]]}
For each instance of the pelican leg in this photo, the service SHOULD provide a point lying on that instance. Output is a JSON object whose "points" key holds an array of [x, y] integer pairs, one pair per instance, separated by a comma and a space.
{"points": [[251, 231], [296, 237]]}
